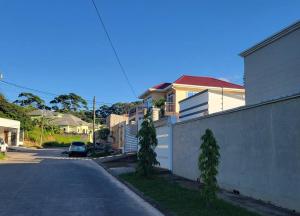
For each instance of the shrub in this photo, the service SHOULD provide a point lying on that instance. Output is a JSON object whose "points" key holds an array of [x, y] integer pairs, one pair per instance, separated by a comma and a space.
{"points": [[103, 133], [147, 142], [55, 144], [208, 165]]}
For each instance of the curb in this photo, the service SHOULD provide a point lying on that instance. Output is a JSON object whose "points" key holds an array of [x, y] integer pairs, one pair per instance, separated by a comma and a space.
{"points": [[151, 201]]}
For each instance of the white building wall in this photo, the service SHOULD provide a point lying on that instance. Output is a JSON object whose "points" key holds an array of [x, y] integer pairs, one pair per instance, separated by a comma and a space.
{"points": [[9, 124], [274, 70], [208, 102], [218, 102]]}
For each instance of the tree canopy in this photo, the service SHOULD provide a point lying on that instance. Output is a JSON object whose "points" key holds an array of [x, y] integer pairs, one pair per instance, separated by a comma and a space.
{"points": [[117, 108], [29, 99], [68, 102]]}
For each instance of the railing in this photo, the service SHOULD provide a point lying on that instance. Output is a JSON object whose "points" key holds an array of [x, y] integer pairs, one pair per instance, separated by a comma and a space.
{"points": [[170, 108], [138, 109]]}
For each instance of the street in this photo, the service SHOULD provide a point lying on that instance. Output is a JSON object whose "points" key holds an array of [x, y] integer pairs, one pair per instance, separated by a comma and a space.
{"points": [[44, 182]]}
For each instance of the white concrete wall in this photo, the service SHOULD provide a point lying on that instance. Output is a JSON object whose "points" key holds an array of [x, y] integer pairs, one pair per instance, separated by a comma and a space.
{"points": [[9, 124], [259, 147], [218, 102], [274, 70]]}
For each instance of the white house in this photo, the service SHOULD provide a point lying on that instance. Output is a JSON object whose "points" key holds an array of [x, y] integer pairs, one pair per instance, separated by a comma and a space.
{"points": [[272, 67], [10, 132], [209, 101]]}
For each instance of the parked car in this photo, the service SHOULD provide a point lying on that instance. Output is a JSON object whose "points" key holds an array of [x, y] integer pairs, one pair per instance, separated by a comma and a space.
{"points": [[78, 149], [3, 146]]}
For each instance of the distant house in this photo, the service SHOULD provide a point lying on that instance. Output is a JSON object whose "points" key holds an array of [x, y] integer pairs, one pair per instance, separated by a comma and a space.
{"points": [[10, 132], [272, 67], [136, 113], [187, 86], [71, 124], [67, 123], [117, 125]]}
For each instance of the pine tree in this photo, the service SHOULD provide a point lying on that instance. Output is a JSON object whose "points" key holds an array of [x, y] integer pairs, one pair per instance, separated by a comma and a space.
{"points": [[208, 165], [147, 142]]}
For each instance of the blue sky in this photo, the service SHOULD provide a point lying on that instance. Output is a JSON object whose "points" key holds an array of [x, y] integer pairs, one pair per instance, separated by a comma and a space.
{"points": [[60, 47]]}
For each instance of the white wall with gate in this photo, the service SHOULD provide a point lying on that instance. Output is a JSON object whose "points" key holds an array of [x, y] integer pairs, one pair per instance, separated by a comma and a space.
{"points": [[164, 142]]}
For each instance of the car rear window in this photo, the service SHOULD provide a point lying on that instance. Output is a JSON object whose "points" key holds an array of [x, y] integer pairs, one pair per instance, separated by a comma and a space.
{"points": [[78, 143]]}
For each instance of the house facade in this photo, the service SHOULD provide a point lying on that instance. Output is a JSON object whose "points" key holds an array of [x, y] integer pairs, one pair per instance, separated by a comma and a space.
{"points": [[117, 125], [272, 66], [184, 87], [67, 123]]}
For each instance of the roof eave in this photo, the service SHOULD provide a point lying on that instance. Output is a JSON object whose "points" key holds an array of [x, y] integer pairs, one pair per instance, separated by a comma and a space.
{"points": [[202, 86]]}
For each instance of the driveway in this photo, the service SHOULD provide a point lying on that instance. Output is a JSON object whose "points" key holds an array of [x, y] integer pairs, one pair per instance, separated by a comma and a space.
{"points": [[43, 182]]}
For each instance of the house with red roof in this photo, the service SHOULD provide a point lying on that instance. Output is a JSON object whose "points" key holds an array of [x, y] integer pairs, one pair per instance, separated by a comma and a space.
{"points": [[187, 86]]}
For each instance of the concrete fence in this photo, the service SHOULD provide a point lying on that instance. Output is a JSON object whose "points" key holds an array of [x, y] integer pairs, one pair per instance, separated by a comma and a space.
{"points": [[259, 147]]}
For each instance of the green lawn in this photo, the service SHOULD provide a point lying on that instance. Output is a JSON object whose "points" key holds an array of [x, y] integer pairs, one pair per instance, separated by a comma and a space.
{"points": [[182, 201], [61, 140]]}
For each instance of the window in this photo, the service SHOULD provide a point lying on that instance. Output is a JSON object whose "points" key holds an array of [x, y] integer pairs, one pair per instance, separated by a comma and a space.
{"points": [[171, 98], [189, 94], [148, 102]]}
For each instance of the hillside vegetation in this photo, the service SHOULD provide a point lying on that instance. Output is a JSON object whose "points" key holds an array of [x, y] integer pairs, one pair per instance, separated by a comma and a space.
{"points": [[32, 129]]}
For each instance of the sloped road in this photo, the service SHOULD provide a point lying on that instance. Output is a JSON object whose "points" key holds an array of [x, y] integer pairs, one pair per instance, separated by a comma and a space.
{"points": [[42, 182]]}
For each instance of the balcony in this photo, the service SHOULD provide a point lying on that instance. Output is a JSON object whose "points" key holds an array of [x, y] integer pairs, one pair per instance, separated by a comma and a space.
{"points": [[170, 108]]}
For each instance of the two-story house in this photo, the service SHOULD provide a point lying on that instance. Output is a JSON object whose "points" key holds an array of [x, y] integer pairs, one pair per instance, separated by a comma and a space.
{"points": [[185, 87]]}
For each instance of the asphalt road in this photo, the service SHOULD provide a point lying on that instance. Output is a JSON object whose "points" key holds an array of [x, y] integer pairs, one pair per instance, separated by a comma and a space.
{"points": [[43, 182]]}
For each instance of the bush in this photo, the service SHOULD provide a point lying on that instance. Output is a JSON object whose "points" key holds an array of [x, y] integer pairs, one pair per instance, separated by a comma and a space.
{"points": [[55, 144], [208, 165]]}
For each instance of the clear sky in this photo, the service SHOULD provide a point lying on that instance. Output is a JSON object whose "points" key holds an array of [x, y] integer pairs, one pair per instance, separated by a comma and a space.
{"points": [[59, 45]]}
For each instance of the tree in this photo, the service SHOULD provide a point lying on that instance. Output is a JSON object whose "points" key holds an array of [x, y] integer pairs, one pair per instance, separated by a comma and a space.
{"points": [[68, 102], [13, 111], [208, 165], [29, 99], [147, 142], [118, 108]]}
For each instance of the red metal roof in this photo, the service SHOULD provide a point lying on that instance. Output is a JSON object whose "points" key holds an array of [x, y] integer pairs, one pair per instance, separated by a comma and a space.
{"points": [[161, 85], [206, 81]]}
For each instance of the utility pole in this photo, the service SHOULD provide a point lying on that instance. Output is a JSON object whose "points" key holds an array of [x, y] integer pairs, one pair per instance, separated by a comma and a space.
{"points": [[42, 127], [94, 121]]}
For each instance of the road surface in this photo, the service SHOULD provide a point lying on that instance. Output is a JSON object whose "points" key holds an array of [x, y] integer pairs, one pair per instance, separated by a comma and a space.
{"points": [[44, 182]]}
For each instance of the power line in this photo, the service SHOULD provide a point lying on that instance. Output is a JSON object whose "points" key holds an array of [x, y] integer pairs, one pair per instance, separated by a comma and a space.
{"points": [[113, 48], [45, 92]]}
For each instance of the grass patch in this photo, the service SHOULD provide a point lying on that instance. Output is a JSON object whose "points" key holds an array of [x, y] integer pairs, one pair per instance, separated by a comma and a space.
{"points": [[2, 156], [182, 201], [50, 138], [61, 140]]}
